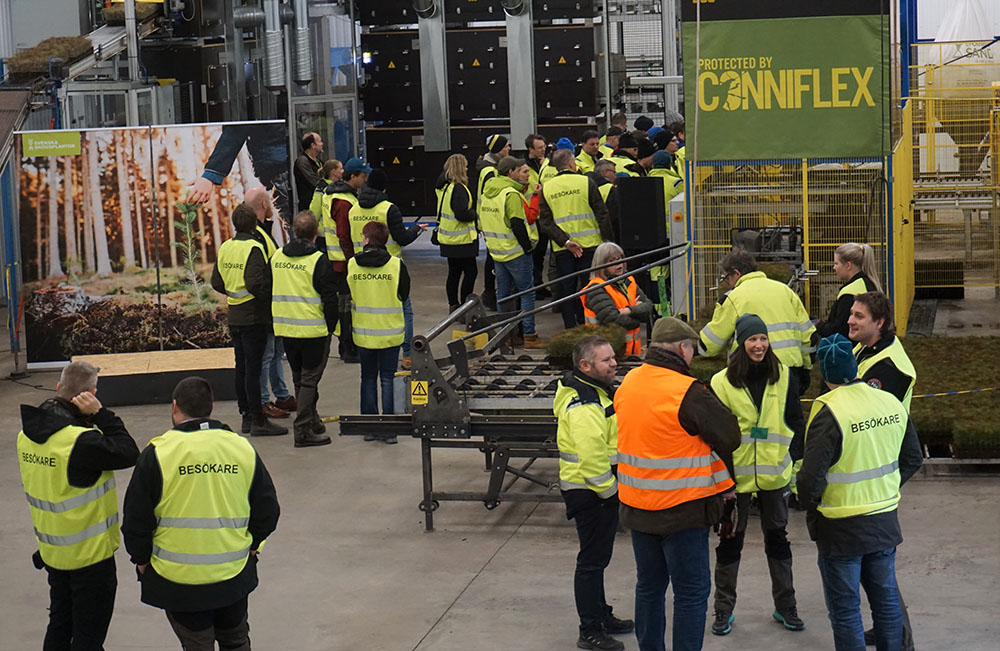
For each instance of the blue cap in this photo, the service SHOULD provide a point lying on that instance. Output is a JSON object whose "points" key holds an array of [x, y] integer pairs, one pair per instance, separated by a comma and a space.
{"points": [[662, 160], [356, 165], [653, 131], [565, 143], [836, 359]]}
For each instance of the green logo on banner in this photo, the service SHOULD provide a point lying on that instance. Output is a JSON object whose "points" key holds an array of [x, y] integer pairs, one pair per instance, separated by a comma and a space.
{"points": [[50, 143]]}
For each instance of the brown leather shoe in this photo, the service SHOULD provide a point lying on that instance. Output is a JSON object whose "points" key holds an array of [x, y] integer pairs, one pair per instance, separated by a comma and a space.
{"points": [[288, 404], [532, 342], [271, 411]]}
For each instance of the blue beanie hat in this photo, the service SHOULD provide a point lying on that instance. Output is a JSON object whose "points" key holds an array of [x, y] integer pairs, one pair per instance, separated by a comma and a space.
{"points": [[651, 133], [662, 160], [836, 359], [564, 143]]}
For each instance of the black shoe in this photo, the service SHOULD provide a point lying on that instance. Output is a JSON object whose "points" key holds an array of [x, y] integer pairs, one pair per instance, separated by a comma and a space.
{"points": [[615, 626], [793, 503], [311, 439], [390, 440], [723, 623], [490, 301], [599, 640], [319, 427], [870, 637], [371, 437], [543, 293], [351, 359], [789, 618], [247, 422], [261, 426]]}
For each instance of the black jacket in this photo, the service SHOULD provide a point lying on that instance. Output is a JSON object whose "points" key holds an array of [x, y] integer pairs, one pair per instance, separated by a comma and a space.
{"points": [[307, 176], [257, 276], [370, 197], [700, 414], [858, 535], [547, 224], [614, 210], [139, 523], [324, 280], [376, 256], [840, 311], [460, 202], [108, 446], [884, 374]]}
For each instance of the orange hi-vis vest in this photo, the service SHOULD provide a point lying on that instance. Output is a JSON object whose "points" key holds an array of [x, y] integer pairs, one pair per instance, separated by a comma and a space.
{"points": [[660, 465], [633, 343]]}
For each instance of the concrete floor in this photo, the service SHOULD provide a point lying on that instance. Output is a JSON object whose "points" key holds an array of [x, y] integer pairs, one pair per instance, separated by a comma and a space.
{"points": [[350, 566]]}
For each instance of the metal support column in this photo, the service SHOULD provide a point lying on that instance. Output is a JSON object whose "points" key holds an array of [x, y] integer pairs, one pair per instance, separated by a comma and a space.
{"points": [[521, 74], [434, 78], [668, 26]]}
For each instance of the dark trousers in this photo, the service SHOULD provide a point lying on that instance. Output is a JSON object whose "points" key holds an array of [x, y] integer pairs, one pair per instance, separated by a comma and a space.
{"points": [[538, 258], [345, 345], [249, 343], [489, 276], [572, 311], [378, 366], [200, 631], [461, 272], [773, 522], [80, 606], [595, 527], [307, 359]]}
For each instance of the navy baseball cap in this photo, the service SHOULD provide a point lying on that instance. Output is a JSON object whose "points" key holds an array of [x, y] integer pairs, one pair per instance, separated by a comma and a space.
{"points": [[356, 165]]}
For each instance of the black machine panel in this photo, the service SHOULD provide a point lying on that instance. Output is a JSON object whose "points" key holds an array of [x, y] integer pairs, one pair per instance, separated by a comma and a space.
{"points": [[549, 9], [379, 13], [477, 74], [391, 91], [564, 72], [464, 11], [643, 213]]}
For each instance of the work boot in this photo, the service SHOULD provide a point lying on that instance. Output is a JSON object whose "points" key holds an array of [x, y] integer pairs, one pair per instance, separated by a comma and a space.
{"points": [[516, 339], [789, 617], [533, 342], [271, 411], [489, 299], [615, 626], [287, 404], [309, 439], [599, 640], [247, 422], [390, 440], [453, 308], [406, 363], [318, 426], [261, 426], [371, 437], [723, 623]]}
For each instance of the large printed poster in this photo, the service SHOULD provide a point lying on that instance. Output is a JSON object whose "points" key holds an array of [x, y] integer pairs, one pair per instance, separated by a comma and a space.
{"points": [[115, 255], [786, 78]]}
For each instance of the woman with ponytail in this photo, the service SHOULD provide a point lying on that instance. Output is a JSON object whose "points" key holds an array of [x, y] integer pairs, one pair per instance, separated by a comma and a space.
{"points": [[855, 265]]}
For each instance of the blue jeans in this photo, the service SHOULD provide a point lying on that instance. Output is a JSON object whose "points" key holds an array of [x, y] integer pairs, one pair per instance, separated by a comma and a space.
{"points": [[378, 366], [876, 572], [407, 326], [273, 371], [513, 276], [683, 557]]}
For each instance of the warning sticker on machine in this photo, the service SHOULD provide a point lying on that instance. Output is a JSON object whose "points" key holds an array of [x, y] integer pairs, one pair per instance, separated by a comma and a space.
{"points": [[418, 393]]}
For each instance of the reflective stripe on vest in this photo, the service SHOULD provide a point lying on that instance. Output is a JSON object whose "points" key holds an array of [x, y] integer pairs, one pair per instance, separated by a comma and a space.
{"points": [[269, 246], [895, 353], [759, 463], [204, 510], [328, 225], [865, 479], [593, 434], [495, 224], [296, 306], [452, 232], [74, 527], [359, 216], [633, 338], [853, 288], [568, 197], [376, 311], [660, 465], [232, 261]]}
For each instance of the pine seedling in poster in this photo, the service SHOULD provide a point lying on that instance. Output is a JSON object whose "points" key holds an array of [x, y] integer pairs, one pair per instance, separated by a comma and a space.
{"points": [[188, 245]]}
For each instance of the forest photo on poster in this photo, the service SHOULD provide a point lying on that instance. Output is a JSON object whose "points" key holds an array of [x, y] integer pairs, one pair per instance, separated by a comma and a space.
{"points": [[114, 257]]}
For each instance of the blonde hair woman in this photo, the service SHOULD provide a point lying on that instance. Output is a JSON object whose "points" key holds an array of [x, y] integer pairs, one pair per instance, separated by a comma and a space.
{"points": [[621, 303], [855, 266], [456, 232]]}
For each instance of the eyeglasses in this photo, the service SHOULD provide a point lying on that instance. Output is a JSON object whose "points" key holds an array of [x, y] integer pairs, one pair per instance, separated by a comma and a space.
{"points": [[724, 277]]}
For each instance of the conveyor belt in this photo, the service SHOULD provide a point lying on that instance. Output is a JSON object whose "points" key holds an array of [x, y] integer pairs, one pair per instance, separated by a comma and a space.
{"points": [[108, 41]]}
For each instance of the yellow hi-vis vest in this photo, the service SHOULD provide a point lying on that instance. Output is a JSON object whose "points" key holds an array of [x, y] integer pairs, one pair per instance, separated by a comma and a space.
{"points": [[495, 222], [853, 288], [788, 325], [328, 225], [75, 527], [376, 311], [296, 307], [232, 261], [893, 352], [671, 185], [316, 203], [587, 436], [605, 190], [605, 148], [762, 461], [450, 230], [201, 532], [865, 479], [620, 163], [544, 173], [485, 175], [269, 246], [585, 162], [359, 216], [568, 196]]}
